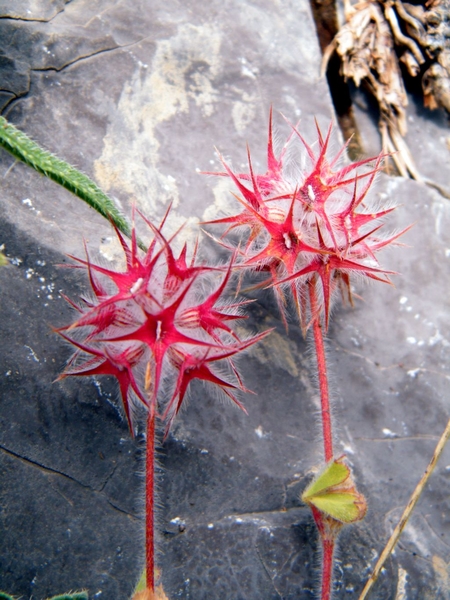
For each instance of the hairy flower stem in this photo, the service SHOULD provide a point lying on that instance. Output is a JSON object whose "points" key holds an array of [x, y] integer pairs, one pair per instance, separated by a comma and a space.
{"points": [[327, 568], [328, 537], [149, 501], [328, 541], [322, 371]]}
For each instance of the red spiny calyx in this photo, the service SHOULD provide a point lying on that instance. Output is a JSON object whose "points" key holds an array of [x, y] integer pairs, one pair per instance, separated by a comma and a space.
{"points": [[153, 326], [318, 226]]}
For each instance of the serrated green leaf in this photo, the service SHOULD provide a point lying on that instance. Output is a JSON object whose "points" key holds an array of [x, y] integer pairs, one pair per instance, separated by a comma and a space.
{"points": [[74, 596], [25, 149]]}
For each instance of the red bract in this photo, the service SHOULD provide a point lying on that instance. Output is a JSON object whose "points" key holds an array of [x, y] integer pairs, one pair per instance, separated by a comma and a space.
{"points": [[153, 324], [316, 228], [120, 364], [196, 366]]}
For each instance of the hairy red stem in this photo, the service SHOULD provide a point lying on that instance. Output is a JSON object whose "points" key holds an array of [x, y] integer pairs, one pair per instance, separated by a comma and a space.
{"points": [[149, 501], [323, 378], [327, 536], [328, 530], [327, 568]]}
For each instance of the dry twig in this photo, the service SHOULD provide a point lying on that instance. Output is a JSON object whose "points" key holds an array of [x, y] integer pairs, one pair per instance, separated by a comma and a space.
{"points": [[406, 513]]}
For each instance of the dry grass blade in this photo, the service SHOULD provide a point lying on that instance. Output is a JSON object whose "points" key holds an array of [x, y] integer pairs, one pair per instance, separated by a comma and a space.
{"points": [[406, 513], [395, 145]]}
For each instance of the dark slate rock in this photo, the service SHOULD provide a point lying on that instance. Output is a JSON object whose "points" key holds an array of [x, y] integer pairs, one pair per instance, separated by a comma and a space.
{"points": [[15, 79], [63, 461], [32, 10]]}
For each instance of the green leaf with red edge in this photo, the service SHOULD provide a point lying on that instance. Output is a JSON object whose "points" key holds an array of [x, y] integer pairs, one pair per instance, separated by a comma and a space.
{"points": [[333, 493]]}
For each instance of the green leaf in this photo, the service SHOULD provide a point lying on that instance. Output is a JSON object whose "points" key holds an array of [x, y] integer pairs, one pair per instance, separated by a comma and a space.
{"points": [[342, 507], [335, 473], [333, 493], [74, 596], [28, 151], [71, 596], [142, 585]]}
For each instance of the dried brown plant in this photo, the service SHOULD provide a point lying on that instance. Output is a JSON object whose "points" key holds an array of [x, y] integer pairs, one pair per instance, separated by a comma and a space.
{"points": [[376, 37]]}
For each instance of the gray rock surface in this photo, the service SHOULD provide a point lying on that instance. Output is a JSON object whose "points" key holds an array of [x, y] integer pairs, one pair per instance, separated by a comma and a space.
{"points": [[136, 94]]}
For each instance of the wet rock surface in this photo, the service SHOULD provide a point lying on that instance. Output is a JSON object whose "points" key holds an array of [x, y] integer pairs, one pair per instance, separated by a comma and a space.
{"points": [[136, 94]]}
